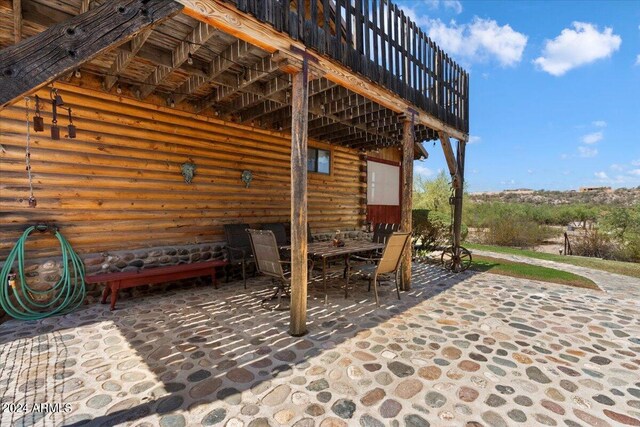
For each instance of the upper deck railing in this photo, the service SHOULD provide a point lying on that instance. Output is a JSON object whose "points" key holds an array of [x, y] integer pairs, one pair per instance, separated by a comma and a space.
{"points": [[377, 40]]}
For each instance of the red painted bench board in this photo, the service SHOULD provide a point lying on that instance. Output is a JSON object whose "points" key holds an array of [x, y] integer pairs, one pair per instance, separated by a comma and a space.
{"points": [[122, 280]]}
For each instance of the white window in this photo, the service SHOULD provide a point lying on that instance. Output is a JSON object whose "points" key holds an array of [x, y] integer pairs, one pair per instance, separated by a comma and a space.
{"points": [[383, 184]]}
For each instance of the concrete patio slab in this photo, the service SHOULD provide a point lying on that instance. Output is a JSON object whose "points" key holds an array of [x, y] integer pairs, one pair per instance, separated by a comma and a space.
{"points": [[467, 349]]}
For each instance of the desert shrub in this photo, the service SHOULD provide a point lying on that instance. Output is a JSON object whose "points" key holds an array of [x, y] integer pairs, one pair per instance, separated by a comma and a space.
{"points": [[595, 243], [506, 226], [433, 229]]}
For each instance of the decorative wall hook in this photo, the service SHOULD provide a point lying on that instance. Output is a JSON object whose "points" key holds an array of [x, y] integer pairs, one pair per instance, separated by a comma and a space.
{"points": [[38, 121], [247, 177], [71, 129], [188, 171], [56, 102], [55, 130]]}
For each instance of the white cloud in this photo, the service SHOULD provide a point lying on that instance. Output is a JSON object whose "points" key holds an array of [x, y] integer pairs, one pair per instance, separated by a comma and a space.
{"points": [[616, 167], [575, 47], [635, 172], [635, 162], [474, 139], [587, 152], [602, 176], [638, 59], [454, 5], [479, 40], [600, 124], [420, 169], [592, 138]]}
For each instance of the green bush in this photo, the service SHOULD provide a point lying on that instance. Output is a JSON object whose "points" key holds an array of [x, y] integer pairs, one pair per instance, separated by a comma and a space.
{"points": [[433, 229], [595, 243], [506, 226]]}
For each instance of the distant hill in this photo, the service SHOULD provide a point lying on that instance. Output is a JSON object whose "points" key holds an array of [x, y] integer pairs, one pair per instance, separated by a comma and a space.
{"points": [[619, 197]]}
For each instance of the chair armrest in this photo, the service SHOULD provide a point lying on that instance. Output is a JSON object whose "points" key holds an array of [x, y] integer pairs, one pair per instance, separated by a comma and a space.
{"points": [[360, 258]]}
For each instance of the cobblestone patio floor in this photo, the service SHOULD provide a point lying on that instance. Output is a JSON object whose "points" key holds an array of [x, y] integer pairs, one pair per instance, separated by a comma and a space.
{"points": [[470, 349]]}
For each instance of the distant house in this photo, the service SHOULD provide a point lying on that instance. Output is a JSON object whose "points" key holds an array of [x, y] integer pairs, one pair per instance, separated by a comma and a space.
{"points": [[595, 189]]}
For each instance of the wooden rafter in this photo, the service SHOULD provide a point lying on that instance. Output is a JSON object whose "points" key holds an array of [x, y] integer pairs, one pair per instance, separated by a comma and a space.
{"points": [[275, 90], [315, 87], [228, 18], [17, 21], [124, 58], [40, 59], [263, 68], [221, 63], [198, 37], [85, 5]]}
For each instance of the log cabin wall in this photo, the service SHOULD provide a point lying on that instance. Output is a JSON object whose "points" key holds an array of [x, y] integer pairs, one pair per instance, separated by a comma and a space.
{"points": [[118, 186]]}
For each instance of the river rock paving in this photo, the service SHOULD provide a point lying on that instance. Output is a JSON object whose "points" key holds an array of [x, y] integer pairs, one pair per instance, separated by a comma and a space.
{"points": [[458, 350]]}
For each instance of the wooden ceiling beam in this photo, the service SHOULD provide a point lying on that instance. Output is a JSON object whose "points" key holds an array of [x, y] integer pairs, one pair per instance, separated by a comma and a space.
{"points": [[261, 69], [198, 37], [124, 58], [367, 142], [315, 87], [275, 90], [220, 64], [63, 47], [230, 19], [17, 21]]}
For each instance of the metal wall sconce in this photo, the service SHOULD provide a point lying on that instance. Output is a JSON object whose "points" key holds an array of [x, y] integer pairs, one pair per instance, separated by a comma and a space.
{"points": [[247, 177], [56, 102], [188, 171]]}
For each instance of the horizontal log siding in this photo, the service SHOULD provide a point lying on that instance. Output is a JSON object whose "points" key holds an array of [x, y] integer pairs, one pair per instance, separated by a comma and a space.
{"points": [[119, 184]]}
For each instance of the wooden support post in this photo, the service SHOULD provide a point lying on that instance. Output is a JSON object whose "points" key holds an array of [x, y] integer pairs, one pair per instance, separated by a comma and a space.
{"points": [[299, 118], [407, 195], [457, 205], [17, 21], [63, 47]]}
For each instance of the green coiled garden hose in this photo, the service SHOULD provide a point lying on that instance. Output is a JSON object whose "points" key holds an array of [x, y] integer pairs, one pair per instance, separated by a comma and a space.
{"points": [[66, 295]]}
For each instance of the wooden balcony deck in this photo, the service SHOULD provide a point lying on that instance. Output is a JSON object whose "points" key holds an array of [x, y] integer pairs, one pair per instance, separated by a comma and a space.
{"points": [[377, 40]]}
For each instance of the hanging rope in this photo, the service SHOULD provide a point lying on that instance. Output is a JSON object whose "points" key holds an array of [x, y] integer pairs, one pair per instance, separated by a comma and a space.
{"points": [[27, 156], [66, 295]]}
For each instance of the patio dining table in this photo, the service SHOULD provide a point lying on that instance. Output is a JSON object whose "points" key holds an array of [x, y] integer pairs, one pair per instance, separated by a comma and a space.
{"points": [[326, 250]]}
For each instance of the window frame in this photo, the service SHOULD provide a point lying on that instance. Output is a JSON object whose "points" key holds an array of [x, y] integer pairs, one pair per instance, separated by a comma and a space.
{"points": [[329, 151]]}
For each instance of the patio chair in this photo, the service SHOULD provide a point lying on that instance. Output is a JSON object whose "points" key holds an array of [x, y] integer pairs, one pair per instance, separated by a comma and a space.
{"points": [[268, 262], [381, 233], [238, 248], [388, 263], [279, 232]]}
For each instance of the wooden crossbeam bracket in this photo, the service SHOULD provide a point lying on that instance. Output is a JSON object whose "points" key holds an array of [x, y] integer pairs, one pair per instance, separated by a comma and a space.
{"points": [[124, 57], [218, 65], [253, 73], [315, 87], [198, 37], [450, 158], [63, 47]]}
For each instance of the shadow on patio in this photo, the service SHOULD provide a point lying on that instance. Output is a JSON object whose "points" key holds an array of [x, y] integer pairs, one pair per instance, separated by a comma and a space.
{"points": [[196, 350]]}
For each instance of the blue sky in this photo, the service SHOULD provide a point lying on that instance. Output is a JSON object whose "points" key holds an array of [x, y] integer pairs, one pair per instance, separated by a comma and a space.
{"points": [[555, 90]]}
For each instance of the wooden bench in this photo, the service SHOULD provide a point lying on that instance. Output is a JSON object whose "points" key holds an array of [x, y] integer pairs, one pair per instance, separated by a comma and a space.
{"points": [[122, 280]]}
